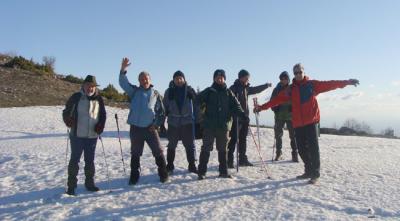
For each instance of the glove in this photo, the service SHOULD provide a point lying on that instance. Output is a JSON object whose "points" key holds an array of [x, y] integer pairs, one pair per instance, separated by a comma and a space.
{"points": [[99, 128], [70, 122], [269, 84], [257, 109], [354, 82], [153, 128]]}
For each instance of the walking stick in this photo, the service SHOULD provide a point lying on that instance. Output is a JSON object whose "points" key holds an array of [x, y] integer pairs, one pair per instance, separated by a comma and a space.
{"points": [[259, 140], [120, 144], [105, 160]]}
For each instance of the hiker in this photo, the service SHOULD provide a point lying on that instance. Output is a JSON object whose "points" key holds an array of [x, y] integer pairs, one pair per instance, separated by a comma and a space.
{"points": [[85, 114], [283, 115], [241, 89], [220, 105], [146, 114], [305, 116], [180, 109]]}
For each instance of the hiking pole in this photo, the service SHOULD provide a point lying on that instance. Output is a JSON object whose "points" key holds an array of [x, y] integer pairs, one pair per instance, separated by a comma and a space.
{"points": [[66, 162], [263, 164], [105, 160], [120, 144], [192, 109], [257, 122], [273, 150], [237, 144]]}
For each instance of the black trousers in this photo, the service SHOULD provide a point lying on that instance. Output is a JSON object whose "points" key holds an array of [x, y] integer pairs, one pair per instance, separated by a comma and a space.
{"points": [[307, 143], [243, 131]]}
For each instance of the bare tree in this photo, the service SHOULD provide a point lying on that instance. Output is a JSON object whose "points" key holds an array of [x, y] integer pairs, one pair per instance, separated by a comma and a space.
{"points": [[49, 61], [389, 132]]}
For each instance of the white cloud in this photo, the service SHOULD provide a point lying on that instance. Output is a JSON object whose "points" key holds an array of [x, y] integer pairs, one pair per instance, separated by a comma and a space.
{"points": [[352, 95], [396, 83]]}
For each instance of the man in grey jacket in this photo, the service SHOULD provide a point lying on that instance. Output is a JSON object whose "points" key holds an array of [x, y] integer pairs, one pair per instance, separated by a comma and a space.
{"points": [[145, 116], [178, 102]]}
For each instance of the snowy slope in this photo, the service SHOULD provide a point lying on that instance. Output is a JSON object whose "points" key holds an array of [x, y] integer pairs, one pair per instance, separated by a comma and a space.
{"points": [[358, 173]]}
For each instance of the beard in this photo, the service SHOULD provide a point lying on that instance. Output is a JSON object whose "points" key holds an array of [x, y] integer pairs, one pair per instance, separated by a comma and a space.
{"points": [[89, 94]]}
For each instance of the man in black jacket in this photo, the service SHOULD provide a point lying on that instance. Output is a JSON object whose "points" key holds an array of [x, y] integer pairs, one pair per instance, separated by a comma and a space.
{"points": [[241, 88]]}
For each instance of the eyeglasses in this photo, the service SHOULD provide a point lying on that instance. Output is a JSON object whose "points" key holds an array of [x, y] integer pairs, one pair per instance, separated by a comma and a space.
{"points": [[298, 72]]}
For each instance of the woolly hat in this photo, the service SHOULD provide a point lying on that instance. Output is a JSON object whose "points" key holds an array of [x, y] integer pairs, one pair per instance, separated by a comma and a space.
{"points": [[178, 74], [284, 74], [243, 73], [219, 72]]}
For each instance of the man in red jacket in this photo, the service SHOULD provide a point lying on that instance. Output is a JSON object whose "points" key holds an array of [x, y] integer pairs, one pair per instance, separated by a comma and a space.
{"points": [[305, 115]]}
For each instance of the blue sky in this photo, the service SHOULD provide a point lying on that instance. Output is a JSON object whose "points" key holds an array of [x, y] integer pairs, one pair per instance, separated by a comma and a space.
{"points": [[333, 39]]}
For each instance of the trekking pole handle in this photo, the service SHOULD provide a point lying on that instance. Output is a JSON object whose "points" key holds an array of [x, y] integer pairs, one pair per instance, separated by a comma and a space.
{"points": [[255, 102]]}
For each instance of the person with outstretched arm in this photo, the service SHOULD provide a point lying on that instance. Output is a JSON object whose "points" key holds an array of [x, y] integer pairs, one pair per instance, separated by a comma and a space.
{"points": [[305, 116], [145, 116]]}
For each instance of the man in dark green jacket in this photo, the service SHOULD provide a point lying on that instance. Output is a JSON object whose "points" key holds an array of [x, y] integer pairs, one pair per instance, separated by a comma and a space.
{"points": [[283, 115], [220, 105]]}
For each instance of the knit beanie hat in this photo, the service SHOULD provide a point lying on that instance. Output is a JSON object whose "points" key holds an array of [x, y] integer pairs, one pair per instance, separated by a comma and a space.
{"points": [[178, 74], [219, 72], [284, 74], [243, 73]]}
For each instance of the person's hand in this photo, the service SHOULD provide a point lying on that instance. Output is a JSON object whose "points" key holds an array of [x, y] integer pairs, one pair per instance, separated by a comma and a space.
{"points": [[269, 84], [99, 128], [70, 122], [153, 128], [257, 109], [125, 63], [354, 82]]}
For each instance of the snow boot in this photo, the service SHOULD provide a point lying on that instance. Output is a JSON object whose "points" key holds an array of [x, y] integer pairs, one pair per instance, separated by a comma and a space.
{"points": [[135, 170], [170, 160], [295, 157], [162, 168], [223, 166]]}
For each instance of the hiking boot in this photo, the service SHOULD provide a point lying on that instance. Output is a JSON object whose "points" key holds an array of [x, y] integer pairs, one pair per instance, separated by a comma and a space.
{"points": [[304, 176], [192, 168], [162, 169], [70, 191], [92, 188], [245, 163], [225, 176], [313, 180], [201, 176]]}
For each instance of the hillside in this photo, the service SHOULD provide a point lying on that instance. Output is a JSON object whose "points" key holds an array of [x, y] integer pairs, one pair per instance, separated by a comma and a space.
{"points": [[29, 85], [20, 88], [357, 174]]}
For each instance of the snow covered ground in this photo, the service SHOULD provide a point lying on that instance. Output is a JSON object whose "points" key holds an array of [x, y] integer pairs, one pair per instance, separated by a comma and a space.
{"points": [[357, 174]]}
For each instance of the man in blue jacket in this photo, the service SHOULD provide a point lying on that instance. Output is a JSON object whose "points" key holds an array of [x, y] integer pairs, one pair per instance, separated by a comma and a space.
{"points": [[145, 116]]}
